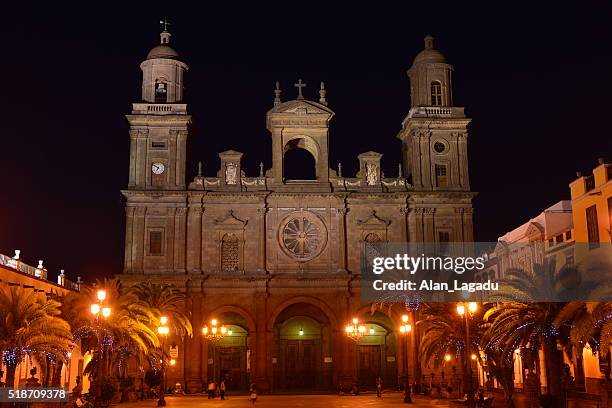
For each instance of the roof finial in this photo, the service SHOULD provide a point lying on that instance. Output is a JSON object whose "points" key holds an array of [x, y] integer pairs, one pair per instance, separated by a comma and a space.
{"points": [[277, 93], [299, 86], [400, 173], [165, 35], [199, 169], [339, 169], [429, 42], [261, 169], [322, 93]]}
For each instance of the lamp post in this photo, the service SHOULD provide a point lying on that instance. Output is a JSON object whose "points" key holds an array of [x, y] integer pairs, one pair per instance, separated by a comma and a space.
{"points": [[213, 334], [405, 329], [472, 307], [163, 330], [100, 308]]}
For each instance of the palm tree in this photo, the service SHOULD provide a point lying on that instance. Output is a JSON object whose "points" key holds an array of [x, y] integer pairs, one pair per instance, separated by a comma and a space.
{"points": [[31, 327], [443, 331], [126, 333], [520, 321], [165, 300]]}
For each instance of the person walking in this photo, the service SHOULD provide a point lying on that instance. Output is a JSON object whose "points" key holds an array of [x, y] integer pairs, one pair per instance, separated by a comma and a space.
{"points": [[211, 389], [222, 389], [379, 387], [252, 393]]}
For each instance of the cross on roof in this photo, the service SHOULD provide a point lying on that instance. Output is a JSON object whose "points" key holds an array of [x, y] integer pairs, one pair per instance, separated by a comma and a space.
{"points": [[299, 86], [165, 23]]}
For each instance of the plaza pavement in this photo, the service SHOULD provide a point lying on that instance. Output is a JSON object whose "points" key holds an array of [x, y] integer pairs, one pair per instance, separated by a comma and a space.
{"points": [[390, 399], [290, 401]]}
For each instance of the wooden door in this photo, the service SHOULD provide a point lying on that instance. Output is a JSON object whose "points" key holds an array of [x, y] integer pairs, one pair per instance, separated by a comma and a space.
{"points": [[369, 365], [300, 364], [231, 367]]}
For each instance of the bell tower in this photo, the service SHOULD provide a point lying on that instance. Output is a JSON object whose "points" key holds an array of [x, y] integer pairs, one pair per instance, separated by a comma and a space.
{"points": [[300, 124], [434, 133], [159, 124]]}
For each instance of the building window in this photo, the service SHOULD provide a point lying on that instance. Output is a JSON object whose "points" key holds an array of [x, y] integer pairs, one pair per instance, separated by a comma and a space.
{"points": [[443, 240], [568, 235], [156, 240], [436, 93], [441, 178], [589, 183], [592, 227], [158, 145], [161, 92], [230, 257], [559, 238], [551, 242]]}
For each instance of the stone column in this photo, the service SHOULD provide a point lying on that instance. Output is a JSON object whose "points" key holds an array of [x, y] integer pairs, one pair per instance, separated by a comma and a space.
{"points": [[139, 239], [342, 250], [173, 169], [425, 159], [170, 237], [464, 178], [429, 226], [129, 239], [194, 238], [468, 228], [262, 239], [193, 346], [180, 221], [259, 352]]}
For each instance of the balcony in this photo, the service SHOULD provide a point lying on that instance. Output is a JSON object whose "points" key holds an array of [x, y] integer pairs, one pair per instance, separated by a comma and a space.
{"points": [[159, 108]]}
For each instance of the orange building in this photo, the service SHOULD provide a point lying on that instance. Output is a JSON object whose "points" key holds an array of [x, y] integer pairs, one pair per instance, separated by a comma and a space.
{"points": [[592, 205], [15, 272]]}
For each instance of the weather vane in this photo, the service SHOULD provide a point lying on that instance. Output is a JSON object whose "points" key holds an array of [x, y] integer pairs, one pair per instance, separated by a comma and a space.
{"points": [[165, 23]]}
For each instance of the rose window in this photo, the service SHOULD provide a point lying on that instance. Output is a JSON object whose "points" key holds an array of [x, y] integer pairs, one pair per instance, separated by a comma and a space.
{"points": [[303, 237]]}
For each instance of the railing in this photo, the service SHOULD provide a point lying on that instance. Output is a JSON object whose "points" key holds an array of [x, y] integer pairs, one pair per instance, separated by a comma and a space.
{"points": [[23, 267], [159, 108], [436, 111], [40, 273]]}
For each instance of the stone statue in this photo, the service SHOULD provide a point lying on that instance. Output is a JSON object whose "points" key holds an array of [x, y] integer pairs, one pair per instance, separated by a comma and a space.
{"points": [[231, 173], [371, 174]]}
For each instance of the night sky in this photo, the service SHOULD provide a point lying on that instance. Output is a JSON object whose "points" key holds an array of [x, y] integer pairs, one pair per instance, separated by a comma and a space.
{"points": [[536, 80]]}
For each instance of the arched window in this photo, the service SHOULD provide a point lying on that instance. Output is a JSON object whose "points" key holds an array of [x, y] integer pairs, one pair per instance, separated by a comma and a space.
{"points": [[436, 93], [230, 257], [299, 165], [372, 248], [161, 91]]}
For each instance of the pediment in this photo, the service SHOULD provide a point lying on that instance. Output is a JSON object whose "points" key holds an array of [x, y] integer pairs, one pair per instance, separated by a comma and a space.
{"points": [[370, 155], [302, 107], [373, 220], [230, 219], [534, 230]]}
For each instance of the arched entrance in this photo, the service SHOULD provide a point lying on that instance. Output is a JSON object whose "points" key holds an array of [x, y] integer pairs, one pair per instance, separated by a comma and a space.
{"points": [[229, 357], [377, 353], [302, 350]]}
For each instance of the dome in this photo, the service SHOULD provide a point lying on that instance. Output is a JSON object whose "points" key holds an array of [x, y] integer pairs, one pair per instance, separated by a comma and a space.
{"points": [[163, 51], [429, 54]]}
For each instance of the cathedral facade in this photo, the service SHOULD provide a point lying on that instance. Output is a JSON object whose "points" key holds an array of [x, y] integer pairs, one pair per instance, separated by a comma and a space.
{"points": [[277, 261]]}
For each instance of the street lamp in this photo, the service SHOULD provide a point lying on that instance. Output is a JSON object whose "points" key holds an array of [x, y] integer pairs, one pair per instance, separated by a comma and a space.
{"points": [[472, 307], [163, 330], [355, 330], [96, 310], [405, 329]]}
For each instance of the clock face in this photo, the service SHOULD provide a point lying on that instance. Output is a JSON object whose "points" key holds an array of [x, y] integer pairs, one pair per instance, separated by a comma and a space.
{"points": [[158, 168]]}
